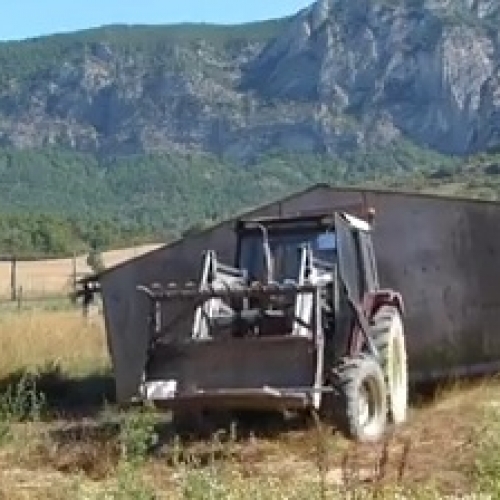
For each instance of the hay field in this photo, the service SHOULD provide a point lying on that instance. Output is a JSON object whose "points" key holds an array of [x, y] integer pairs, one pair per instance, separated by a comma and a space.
{"points": [[55, 276], [37, 338]]}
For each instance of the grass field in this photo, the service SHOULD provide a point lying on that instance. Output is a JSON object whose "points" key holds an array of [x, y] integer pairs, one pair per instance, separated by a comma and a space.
{"points": [[61, 436], [39, 338], [55, 277]]}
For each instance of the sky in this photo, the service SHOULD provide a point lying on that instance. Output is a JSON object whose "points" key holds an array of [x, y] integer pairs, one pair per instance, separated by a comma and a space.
{"points": [[21, 19]]}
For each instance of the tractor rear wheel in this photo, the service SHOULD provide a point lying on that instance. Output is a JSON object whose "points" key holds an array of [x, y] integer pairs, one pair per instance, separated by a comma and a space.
{"points": [[360, 400], [388, 337]]}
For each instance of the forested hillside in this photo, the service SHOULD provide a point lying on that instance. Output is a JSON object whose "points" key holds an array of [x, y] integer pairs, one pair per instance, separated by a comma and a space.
{"points": [[55, 203]]}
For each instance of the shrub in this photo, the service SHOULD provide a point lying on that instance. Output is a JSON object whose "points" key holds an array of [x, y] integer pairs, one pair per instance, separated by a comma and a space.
{"points": [[137, 435], [22, 401]]}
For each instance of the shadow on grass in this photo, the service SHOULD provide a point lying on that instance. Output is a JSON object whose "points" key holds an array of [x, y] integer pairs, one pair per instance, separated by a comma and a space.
{"points": [[426, 393], [86, 396], [65, 396], [83, 437]]}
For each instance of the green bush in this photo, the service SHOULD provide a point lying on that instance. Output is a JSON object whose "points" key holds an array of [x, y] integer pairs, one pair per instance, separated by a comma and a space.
{"points": [[129, 486], [138, 435], [22, 401]]}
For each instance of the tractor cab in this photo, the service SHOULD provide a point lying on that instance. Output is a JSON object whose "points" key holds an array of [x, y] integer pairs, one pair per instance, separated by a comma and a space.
{"points": [[271, 249]]}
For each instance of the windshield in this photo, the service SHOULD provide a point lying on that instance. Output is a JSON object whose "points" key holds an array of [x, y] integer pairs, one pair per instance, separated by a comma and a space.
{"points": [[285, 251]]}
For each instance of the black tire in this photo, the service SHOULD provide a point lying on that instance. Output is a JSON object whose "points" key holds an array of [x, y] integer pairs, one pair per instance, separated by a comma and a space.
{"points": [[388, 337], [360, 398]]}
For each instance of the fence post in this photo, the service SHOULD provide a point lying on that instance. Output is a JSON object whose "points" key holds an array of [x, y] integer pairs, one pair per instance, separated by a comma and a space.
{"points": [[74, 273], [13, 279], [20, 298]]}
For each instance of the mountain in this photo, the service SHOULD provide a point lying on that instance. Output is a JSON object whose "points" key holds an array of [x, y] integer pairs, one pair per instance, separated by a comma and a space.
{"points": [[424, 70], [136, 133], [341, 76]]}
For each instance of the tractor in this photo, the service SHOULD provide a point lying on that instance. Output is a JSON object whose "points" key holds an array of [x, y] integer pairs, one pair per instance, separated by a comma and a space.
{"points": [[298, 322]]}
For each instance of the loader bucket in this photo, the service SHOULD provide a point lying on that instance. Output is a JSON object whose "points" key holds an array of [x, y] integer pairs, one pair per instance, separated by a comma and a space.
{"points": [[275, 369], [263, 373]]}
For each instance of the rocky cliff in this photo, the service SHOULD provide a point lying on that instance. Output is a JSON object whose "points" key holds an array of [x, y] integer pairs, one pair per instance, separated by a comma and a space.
{"points": [[340, 76]]}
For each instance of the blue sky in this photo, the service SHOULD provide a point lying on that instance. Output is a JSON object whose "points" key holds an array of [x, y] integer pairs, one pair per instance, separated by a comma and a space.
{"points": [[27, 18]]}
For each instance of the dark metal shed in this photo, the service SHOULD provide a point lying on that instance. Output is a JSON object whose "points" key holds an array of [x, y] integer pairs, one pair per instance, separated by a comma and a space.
{"points": [[442, 253]]}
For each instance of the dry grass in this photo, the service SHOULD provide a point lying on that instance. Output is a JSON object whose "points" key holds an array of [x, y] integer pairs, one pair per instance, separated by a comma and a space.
{"points": [[49, 277], [81, 455], [38, 338]]}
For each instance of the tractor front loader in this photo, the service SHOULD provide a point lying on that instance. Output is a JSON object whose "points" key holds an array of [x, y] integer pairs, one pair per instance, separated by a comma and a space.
{"points": [[300, 322]]}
